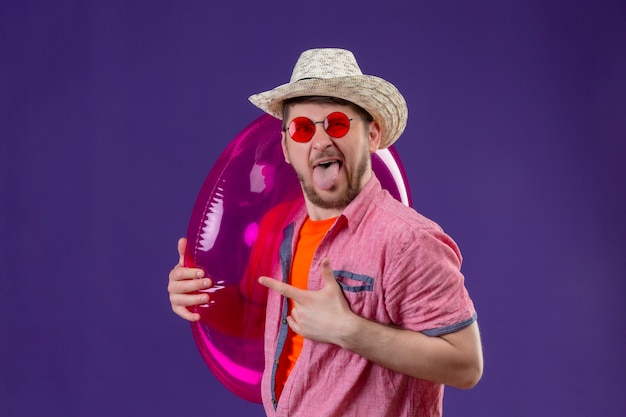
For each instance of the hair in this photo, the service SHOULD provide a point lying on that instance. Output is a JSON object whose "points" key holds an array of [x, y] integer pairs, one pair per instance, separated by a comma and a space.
{"points": [[287, 103]]}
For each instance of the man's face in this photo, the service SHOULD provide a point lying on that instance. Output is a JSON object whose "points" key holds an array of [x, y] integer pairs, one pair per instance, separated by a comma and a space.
{"points": [[332, 171]]}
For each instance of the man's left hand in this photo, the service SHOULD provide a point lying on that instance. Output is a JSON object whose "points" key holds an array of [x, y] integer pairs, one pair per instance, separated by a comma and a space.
{"points": [[321, 315]]}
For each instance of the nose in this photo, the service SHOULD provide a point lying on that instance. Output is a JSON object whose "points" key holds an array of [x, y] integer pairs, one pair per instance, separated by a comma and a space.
{"points": [[321, 140]]}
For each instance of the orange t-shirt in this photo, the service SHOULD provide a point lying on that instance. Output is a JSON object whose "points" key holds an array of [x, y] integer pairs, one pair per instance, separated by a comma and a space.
{"points": [[311, 234]]}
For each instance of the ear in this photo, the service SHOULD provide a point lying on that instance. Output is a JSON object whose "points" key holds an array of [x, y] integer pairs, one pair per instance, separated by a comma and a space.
{"points": [[374, 136], [283, 143]]}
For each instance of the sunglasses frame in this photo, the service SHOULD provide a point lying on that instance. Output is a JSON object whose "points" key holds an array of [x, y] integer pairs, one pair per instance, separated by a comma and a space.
{"points": [[324, 122]]}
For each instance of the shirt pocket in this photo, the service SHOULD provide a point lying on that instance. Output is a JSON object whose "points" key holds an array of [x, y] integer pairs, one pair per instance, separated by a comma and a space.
{"points": [[351, 282], [358, 290]]}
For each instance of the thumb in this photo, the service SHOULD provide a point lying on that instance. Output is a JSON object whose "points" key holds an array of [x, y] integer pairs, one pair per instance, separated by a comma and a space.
{"points": [[182, 246]]}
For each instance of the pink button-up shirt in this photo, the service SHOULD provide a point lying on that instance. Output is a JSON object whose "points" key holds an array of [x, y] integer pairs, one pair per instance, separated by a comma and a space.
{"points": [[395, 267]]}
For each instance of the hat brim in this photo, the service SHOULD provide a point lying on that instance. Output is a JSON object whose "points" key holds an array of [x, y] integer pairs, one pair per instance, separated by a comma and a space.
{"points": [[380, 98]]}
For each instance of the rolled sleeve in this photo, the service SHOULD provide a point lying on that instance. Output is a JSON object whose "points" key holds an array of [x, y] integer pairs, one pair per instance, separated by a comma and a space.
{"points": [[425, 289]]}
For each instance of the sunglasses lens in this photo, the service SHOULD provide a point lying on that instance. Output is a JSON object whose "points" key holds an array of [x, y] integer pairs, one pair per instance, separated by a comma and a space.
{"points": [[337, 124], [301, 129]]}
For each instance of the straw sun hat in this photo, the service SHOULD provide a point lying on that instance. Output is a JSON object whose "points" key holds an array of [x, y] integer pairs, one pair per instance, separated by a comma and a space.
{"points": [[335, 73]]}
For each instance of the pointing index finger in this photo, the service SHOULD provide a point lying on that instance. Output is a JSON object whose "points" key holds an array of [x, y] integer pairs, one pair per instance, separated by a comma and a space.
{"points": [[282, 288]]}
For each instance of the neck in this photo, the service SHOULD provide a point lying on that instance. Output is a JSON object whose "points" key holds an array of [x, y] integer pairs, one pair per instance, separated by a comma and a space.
{"points": [[319, 213]]}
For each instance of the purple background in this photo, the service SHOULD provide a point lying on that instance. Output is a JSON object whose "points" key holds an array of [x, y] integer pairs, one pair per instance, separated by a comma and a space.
{"points": [[112, 114]]}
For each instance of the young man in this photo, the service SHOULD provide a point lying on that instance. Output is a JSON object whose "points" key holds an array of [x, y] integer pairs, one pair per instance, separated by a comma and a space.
{"points": [[368, 314]]}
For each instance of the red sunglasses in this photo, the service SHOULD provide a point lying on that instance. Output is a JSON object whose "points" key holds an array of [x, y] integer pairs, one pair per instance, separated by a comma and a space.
{"points": [[302, 129]]}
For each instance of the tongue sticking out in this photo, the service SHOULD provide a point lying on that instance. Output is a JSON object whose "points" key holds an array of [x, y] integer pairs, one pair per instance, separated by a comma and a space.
{"points": [[325, 175]]}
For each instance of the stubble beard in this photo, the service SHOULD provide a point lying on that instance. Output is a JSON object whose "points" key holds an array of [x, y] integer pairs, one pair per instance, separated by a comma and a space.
{"points": [[340, 201]]}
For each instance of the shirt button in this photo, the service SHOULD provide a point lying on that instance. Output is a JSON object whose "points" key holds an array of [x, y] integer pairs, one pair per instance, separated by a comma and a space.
{"points": [[284, 321]]}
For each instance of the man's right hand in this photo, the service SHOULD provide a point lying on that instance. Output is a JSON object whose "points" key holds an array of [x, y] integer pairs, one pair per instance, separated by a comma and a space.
{"points": [[184, 286]]}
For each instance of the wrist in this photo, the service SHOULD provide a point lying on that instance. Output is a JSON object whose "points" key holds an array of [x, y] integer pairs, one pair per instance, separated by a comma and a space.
{"points": [[352, 329]]}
